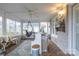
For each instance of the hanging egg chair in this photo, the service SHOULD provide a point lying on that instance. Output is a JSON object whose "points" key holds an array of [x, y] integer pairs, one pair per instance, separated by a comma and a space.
{"points": [[29, 29]]}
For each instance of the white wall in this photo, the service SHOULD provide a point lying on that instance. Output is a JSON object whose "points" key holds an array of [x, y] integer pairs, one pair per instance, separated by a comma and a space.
{"points": [[70, 29], [65, 40], [61, 41], [61, 38]]}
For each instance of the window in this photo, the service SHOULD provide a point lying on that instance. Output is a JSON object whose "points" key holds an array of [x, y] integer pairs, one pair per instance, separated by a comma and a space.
{"points": [[35, 27], [24, 27], [11, 27], [0, 26], [18, 28], [43, 27], [48, 27]]}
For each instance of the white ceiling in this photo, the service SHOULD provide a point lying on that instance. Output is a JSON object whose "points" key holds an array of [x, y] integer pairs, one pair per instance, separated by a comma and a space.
{"points": [[18, 11]]}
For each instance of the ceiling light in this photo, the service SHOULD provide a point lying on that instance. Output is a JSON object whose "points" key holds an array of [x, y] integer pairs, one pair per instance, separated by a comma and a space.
{"points": [[61, 15]]}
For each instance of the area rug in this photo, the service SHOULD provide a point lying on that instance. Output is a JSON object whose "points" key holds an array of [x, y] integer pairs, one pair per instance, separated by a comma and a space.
{"points": [[22, 50]]}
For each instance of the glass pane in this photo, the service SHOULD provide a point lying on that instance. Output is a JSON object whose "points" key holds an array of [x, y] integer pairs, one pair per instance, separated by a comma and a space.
{"points": [[18, 28], [0, 26], [35, 27], [43, 27], [48, 27], [24, 28], [11, 27], [77, 28]]}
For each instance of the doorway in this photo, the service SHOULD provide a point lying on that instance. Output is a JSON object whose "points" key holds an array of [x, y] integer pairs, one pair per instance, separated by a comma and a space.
{"points": [[76, 29]]}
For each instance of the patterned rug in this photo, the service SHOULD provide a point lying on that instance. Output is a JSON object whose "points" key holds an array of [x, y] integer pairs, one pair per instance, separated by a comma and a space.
{"points": [[22, 50]]}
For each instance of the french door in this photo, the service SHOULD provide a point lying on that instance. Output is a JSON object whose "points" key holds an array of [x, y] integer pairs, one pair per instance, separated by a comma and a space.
{"points": [[76, 29]]}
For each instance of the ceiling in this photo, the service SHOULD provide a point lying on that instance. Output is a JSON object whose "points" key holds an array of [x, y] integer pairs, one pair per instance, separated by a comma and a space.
{"points": [[19, 11]]}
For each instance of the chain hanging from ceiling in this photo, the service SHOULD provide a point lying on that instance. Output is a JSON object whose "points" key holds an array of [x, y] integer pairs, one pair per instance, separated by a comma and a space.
{"points": [[29, 29]]}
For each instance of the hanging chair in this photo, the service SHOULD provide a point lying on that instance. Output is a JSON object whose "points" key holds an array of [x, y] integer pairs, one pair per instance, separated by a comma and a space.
{"points": [[29, 30], [28, 34]]}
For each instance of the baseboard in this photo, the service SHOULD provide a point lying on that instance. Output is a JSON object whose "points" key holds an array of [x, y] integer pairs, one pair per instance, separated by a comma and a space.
{"points": [[64, 51], [70, 51], [76, 52]]}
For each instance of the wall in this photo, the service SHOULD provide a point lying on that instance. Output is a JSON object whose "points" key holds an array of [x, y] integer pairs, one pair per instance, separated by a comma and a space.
{"points": [[67, 38], [61, 41], [70, 29], [60, 38]]}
